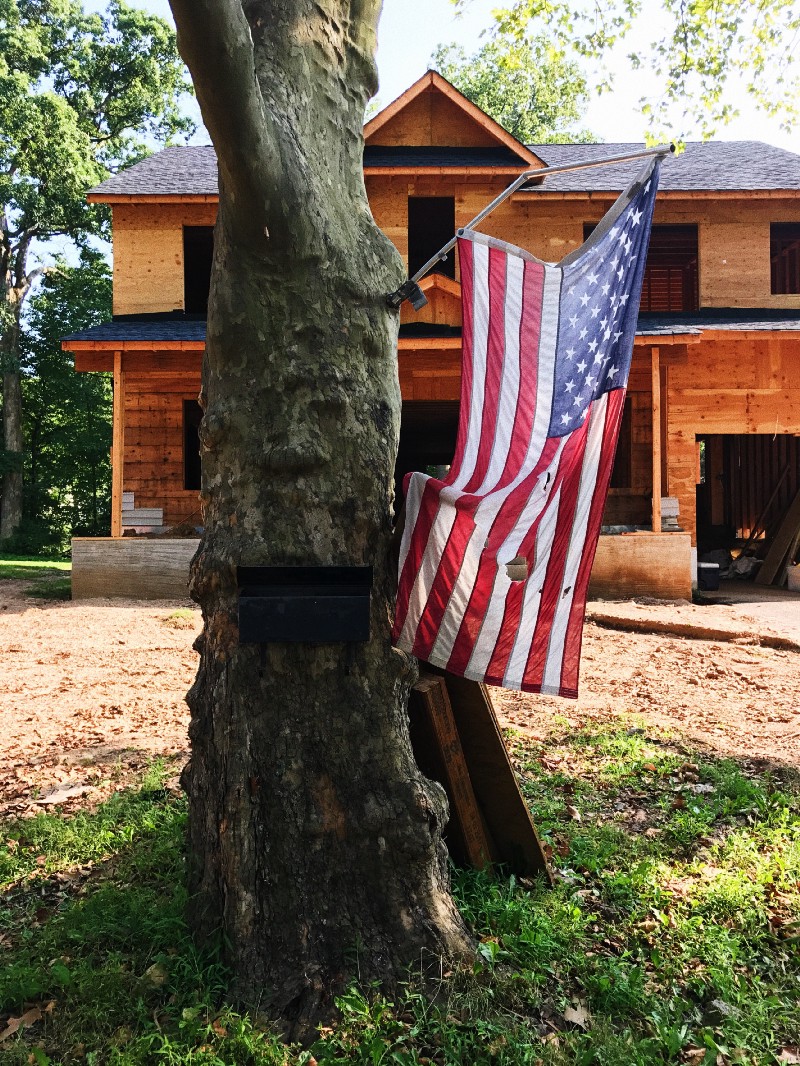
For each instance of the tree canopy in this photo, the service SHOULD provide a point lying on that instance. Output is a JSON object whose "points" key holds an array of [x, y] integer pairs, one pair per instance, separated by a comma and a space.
{"points": [[698, 51], [67, 416], [533, 92], [81, 94]]}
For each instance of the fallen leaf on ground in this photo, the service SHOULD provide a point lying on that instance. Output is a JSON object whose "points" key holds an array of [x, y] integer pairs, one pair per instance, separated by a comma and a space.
{"points": [[30, 1017], [61, 795], [156, 975], [789, 1054], [573, 812], [578, 1015]]}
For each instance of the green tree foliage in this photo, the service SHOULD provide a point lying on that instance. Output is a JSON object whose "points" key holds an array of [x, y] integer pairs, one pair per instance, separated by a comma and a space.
{"points": [[523, 83], [67, 417], [81, 95], [697, 50]]}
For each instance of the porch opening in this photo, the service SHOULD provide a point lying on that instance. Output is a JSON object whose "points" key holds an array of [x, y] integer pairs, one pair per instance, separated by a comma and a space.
{"points": [[428, 430]]}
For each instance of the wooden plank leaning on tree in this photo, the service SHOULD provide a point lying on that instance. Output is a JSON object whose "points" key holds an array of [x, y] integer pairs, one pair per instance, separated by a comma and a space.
{"points": [[509, 832]]}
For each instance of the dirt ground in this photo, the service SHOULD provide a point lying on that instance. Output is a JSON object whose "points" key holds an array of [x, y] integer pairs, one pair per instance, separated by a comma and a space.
{"points": [[92, 691]]}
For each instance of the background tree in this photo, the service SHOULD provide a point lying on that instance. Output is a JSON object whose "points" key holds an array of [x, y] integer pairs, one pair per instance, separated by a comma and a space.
{"points": [[67, 416], [696, 51], [534, 93], [315, 843], [80, 95]]}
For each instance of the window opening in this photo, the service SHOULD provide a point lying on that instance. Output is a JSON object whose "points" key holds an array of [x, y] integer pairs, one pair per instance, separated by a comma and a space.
{"points": [[784, 257], [621, 471], [192, 414], [198, 252], [671, 274], [431, 224]]}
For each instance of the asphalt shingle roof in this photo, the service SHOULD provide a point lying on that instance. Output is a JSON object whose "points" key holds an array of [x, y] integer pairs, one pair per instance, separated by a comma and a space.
{"points": [[717, 166], [149, 328], [705, 166], [152, 329], [186, 171]]}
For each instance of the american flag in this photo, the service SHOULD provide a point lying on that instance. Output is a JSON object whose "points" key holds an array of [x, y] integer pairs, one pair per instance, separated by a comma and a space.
{"points": [[546, 354]]}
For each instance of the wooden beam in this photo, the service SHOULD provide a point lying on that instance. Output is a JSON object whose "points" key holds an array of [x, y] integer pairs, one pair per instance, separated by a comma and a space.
{"points": [[117, 446], [655, 368]]}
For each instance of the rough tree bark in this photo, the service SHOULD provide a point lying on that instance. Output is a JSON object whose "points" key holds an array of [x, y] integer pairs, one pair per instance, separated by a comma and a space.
{"points": [[315, 842], [11, 499]]}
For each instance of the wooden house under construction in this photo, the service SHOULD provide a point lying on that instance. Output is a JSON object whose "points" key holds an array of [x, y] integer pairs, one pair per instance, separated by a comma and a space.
{"points": [[712, 419]]}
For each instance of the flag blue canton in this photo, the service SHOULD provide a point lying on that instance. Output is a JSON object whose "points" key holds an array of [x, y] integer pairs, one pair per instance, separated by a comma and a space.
{"points": [[599, 306]]}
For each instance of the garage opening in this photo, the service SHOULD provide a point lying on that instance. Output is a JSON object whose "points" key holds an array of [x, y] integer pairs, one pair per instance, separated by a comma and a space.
{"points": [[746, 483]]}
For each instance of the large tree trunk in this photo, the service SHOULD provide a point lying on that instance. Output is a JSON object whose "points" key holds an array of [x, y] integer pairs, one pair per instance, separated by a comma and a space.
{"points": [[11, 501], [315, 842]]}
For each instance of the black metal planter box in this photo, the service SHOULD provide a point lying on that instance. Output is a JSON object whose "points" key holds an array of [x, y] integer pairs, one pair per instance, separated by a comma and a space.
{"points": [[307, 604]]}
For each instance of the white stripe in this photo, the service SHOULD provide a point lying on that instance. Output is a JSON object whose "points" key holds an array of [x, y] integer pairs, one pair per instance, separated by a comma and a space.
{"points": [[480, 337], [508, 388], [459, 598], [416, 487], [551, 679], [547, 362], [423, 582], [518, 660], [490, 629]]}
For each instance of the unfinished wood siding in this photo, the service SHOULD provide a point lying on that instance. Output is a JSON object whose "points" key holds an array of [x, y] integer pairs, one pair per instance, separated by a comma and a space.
{"points": [[730, 385], [148, 254], [154, 461], [430, 374], [432, 119], [734, 252]]}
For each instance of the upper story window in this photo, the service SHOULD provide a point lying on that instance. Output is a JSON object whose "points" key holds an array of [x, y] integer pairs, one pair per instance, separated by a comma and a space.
{"points": [[670, 276], [431, 224], [198, 251], [784, 257]]}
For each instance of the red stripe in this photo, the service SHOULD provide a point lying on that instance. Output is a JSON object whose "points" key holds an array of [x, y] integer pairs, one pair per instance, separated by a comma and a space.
{"points": [[529, 338], [570, 476], [428, 508], [466, 261], [493, 372], [572, 642], [480, 597], [443, 584]]}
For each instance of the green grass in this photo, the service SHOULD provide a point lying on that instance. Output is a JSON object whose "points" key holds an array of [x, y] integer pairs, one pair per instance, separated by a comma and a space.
{"points": [[668, 931], [49, 576]]}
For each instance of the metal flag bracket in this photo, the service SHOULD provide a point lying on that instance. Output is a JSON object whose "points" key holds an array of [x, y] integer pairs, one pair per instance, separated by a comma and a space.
{"points": [[410, 289]]}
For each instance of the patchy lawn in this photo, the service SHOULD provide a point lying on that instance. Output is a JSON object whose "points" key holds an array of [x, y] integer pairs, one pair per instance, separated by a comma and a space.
{"points": [[671, 935]]}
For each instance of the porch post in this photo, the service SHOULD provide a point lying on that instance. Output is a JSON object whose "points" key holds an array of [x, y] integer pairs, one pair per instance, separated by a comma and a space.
{"points": [[656, 386], [117, 446]]}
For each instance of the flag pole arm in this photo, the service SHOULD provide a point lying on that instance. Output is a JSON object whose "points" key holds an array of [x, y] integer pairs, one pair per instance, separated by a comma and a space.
{"points": [[410, 289]]}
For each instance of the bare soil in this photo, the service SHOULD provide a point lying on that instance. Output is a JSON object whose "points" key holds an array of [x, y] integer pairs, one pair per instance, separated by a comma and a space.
{"points": [[93, 691]]}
